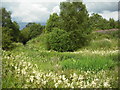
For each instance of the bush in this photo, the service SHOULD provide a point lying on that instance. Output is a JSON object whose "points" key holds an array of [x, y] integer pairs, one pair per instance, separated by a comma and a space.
{"points": [[38, 43], [31, 30], [59, 40], [80, 38], [6, 39]]}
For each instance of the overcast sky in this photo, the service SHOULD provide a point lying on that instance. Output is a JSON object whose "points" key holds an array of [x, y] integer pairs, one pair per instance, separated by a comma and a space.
{"points": [[39, 10]]}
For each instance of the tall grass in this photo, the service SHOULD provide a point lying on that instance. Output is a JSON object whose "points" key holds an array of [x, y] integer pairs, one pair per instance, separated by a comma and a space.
{"points": [[88, 63], [18, 73], [33, 66]]}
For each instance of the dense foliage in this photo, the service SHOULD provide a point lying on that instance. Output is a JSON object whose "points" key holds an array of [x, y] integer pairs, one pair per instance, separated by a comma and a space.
{"points": [[6, 38], [7, 22], [59, 40], [10, 30], [31, 30], [74, 21], [53, 22], [99, 23], [37, 64]]}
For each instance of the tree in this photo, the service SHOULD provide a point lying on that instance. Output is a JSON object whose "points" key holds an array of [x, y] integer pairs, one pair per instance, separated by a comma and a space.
{"points": [[7, 22], [112, 23], [35, 30], [6, 38], [24, 35], [16, 32], [31, 30], [10, 30], [72, 15], [53, 21], [75, 21], [96, 21], [6, 18], [73, 29]]}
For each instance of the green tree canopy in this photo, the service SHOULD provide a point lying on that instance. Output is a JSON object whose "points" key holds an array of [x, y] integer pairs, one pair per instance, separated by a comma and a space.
{"points": [[10, 30], [74, 21], [53, 22], [7, 22], [31, 30], [6, 38], [98, 22], [35, 30], [73, 15], [59, 40], [113, 23]]}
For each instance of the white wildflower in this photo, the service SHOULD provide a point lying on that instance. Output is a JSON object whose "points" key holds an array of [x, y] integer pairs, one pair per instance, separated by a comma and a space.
{"points": [[59, 81], [56, 85], [106, 84], [80, 77], [31, 78]]}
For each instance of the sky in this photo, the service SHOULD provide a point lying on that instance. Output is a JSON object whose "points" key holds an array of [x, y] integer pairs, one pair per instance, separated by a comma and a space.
{"points": [[40, 10]]}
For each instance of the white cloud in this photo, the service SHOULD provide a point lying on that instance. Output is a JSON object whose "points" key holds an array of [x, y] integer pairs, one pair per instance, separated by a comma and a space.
{"points": [[105, 9], [56, 9], [31, 12], [33, 0], [100, 0], [100, 6], [39, 10], [108, 14]]}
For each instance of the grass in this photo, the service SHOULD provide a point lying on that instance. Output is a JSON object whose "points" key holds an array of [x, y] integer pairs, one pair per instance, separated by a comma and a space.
{"points": [[88, 63], [35, 67], [85, 60], [20, 73]]}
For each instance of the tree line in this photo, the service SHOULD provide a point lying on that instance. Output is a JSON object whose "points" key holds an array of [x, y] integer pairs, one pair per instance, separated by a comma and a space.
{"points": [[68, 31]]}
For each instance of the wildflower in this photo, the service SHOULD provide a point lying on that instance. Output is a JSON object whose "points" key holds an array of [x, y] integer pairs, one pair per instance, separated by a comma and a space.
{"points": [[31, 78], [44, 82], [96, 79], [34, 71], [23, 71], [74, 75], [68, 84], [15, 67], [37, 76], [106, 84], [29, 64], [93, 83], [80, 77], [56, 85], [72, 85], [59, 81], [63, 77]]}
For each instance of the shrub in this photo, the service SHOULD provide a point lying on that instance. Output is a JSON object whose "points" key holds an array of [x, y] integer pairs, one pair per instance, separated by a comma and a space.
{"points": [[31, 30], [6, 39], [80, 38], [59, 40]]}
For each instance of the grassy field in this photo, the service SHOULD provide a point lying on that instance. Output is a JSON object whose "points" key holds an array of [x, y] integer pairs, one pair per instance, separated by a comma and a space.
{"points": [[93, 66]]}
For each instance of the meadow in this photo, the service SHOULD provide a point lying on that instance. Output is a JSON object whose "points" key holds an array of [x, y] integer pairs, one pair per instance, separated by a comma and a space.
{"points": [[33, 66]]}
